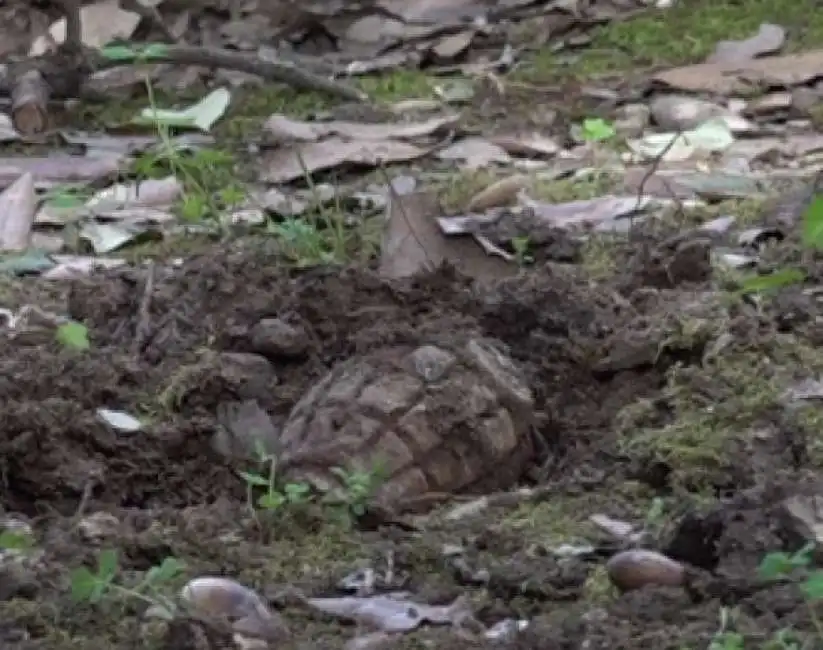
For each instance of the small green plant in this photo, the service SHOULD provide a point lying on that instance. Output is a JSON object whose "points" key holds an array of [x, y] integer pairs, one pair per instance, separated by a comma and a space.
{"points": [[209, 183], [724, 638], [304, 243], [778, 565], [95, 587], [596, 129], [208, 177], [73, 335], [812, 238], [655, 516], [358, 488], [16, 540], [273, 498], [521, 246]]}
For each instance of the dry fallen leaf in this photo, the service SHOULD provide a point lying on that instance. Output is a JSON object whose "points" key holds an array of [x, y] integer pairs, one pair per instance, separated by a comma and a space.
{"points": [[391, 613], [49, 171], [768, 40], [103, 22], [413, 240], [285, 129], [728, 78], [500, 193], [288, 164], [17, 210], [474, 152]]}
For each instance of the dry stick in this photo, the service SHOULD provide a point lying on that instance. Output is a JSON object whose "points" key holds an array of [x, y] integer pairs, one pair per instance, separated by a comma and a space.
{"points": [[88, 486], [654, 167], [279, 71], [60, 74], [143, 327]]}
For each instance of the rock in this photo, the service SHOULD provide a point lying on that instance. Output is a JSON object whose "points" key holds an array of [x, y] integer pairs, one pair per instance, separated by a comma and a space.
{"points": [[632, 120], [433, 419], [98, 527], [224, 599], [222, 376], [801, 518], [274, 337], [769, 104], [245, 430], [682, 112], [638, 568]]}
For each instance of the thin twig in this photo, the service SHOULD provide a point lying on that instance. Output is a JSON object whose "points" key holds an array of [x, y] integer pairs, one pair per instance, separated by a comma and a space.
{"points": [[88, 486], [278, 71], [142, 330], [654, 167]]}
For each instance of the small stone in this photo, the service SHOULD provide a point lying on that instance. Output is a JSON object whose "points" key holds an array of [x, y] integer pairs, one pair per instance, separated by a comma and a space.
{"points": [[250, 376], [225, 599], [632, 119], [432, 363], [274, 337], [805, 100], [800, 516], [770, 104], [98, 526], [638, 568], [681, 112]]}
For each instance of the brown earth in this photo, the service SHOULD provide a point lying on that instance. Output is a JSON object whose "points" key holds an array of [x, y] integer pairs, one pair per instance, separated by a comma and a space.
{"points": [[590, 351]]}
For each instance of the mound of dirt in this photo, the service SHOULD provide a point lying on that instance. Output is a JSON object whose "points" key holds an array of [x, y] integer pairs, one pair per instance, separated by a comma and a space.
{"points": [[599, 360]]}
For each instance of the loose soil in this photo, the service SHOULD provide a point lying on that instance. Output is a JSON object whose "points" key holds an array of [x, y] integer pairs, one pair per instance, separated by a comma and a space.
{"points": [[660, 399], [614, 366]]}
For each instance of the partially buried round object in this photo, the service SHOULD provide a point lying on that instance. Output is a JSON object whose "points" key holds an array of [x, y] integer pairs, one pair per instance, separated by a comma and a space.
{"points": [[437, 418]]}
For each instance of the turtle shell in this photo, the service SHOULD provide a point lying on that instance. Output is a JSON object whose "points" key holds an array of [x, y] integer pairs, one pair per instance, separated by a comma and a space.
{"points": [[435, 418]]}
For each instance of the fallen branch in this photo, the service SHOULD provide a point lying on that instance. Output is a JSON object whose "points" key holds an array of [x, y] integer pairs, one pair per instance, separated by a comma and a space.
{"points": [[60, 75], [276, 71]]}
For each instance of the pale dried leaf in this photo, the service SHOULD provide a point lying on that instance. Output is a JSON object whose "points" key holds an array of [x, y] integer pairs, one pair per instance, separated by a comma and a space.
{"points": [[71, 266], [587, 211], [474, 152], [451, 46], [768, 40], [728, 78], [102, 21], [435, 11], [285, 129], [413, 240], [7, 131], [49, 171], [17, 210], [288, 164], [107, 237], [155, 193], [390, 614], [527, 144]]}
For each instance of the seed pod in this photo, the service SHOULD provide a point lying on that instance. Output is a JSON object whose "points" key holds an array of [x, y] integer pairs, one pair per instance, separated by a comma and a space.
{"points": [[637, 568]]}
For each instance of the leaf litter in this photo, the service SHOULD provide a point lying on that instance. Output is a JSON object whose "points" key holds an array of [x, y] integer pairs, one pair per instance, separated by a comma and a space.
{"points": [[237, 341]]}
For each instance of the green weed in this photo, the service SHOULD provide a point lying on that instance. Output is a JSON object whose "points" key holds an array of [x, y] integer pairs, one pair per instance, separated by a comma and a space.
{"points": [[99, 586]]}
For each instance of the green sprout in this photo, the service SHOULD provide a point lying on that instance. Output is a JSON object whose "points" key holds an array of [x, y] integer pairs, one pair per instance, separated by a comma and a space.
{"points": [[273, 498], [778, 565], [96, 586]]}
